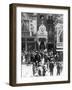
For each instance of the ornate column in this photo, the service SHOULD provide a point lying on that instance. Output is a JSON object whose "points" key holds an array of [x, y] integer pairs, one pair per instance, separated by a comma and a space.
{"points": [[50, 24], [25, 44]]}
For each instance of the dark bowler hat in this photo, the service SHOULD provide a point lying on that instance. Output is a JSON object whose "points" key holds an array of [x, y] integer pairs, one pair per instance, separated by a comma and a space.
{"points": [[41, 16]]}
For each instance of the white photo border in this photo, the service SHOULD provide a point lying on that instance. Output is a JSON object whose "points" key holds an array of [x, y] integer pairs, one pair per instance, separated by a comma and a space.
{"points": [[64, 77]]}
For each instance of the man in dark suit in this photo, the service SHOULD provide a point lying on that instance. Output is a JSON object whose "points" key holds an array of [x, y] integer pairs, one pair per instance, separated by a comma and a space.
{"points": [[51, 67], [37, 58], [36, 61]]}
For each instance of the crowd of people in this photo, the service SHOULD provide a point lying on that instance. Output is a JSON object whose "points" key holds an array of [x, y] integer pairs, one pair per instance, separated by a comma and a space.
{"points": [[43, 61]]}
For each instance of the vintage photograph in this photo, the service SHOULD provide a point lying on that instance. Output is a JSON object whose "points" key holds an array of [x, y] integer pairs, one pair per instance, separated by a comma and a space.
{"points": [[41, 44]]}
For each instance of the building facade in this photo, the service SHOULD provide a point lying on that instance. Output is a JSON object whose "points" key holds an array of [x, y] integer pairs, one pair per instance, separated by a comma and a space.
{"points": [[41, 31]]}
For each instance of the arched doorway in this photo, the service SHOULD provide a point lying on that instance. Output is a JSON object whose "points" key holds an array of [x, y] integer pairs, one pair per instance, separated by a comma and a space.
{"points": [[42, 43]]}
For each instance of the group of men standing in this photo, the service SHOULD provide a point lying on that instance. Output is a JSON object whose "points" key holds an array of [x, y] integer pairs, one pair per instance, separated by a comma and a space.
{"points": [[45, 62], [42, 63]]}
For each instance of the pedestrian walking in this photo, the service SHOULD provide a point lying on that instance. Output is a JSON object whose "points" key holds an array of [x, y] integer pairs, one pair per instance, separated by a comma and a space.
{"points": [[51, 67]]}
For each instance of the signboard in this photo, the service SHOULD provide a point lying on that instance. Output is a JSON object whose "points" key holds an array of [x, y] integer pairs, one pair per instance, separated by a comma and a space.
{"points": [[59, 28], [42, 33]]}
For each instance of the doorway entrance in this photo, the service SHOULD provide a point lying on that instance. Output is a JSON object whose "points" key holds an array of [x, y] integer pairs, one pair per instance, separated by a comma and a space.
{"points": [[42, 45]]}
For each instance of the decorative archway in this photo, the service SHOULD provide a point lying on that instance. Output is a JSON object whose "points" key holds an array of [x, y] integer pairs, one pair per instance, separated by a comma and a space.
{"points": [[42, 35]]}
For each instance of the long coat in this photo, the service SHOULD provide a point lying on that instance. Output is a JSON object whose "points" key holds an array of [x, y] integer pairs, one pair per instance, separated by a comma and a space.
{"points": [[37, 58]]}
